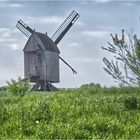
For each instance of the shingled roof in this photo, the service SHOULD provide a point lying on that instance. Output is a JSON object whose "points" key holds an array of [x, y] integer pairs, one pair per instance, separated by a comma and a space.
{"points": [[40, 41], [47, 42]]}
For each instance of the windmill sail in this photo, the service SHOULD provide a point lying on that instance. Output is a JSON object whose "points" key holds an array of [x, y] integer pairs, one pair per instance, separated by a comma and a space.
{"points": [[74, 72], [62, 30], [24, 28], [58, 35], [66, 25]]}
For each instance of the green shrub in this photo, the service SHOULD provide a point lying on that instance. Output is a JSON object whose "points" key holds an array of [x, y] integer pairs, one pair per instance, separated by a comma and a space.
{"points": [[41, 112], [3, 113], [91, 85], [3, 88], [19, 87], [130, 103]]}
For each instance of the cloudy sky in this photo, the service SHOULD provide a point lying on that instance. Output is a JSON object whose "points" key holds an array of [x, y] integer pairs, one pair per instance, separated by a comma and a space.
{"points": [[81, 46]]}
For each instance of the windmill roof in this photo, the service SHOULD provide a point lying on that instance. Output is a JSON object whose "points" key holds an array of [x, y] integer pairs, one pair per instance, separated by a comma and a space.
{"points": [[47, 42]]}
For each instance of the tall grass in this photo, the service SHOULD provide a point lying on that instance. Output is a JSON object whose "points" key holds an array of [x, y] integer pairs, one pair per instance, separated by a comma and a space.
{"points": [[84, 113]]}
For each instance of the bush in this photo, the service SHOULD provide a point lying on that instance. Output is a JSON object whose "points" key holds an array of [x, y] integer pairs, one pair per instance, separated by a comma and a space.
{"points": [[91, 85], [19, 87], [3, 113], [3, 88], [130, 103], [41, 112]]}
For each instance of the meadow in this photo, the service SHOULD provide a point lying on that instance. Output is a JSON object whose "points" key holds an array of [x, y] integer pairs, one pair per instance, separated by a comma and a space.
{"points": [[89, 112]]}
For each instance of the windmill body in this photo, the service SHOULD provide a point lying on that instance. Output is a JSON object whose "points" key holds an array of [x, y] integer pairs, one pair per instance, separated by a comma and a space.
{"points": [[41, 59], [41, 54]]}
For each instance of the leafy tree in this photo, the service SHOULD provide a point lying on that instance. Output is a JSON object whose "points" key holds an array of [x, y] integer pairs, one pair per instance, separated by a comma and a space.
{"points": [[19, 87], [91, 85], [125, 65]]}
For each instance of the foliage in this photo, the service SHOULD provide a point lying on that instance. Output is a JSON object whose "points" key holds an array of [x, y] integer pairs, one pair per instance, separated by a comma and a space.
{"points": [[3, 88], [18, 87], [125, 66], [3, 113], [84, 113], [91, 85], [130, 103]]}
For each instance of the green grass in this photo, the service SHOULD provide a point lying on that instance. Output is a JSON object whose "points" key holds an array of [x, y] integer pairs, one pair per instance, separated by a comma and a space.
{"points": [[85, 113]]}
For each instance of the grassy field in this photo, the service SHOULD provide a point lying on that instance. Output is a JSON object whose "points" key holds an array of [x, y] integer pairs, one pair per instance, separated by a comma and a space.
{"points": [[85, 113]]}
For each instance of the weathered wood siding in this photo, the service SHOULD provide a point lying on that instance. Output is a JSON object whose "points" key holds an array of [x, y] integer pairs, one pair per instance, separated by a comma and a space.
{"points": [[31, 64], [38, 61], [32, 44], [50, 67]]}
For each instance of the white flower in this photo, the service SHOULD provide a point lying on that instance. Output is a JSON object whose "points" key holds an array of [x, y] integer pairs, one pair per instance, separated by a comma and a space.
{"points": [[37, 121]]}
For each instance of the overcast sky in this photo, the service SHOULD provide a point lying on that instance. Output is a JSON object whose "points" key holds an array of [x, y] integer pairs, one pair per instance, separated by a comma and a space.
{"points": [[81, 46]]}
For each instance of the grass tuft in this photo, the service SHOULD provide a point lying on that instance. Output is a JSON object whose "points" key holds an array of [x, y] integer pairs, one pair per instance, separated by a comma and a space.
{"points": [[90, 112]]}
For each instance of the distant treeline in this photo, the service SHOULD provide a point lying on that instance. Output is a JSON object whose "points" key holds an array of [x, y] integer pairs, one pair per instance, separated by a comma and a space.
{"points": [[3, 88]]}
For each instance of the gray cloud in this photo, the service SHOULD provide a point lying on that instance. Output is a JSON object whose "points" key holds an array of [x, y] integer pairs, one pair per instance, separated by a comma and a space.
{"points": [[95, 34], [81, 46], [7, 4]]}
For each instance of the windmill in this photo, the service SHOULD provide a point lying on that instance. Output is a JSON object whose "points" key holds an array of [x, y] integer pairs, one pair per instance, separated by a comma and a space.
{"points": [[41, 54]]}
